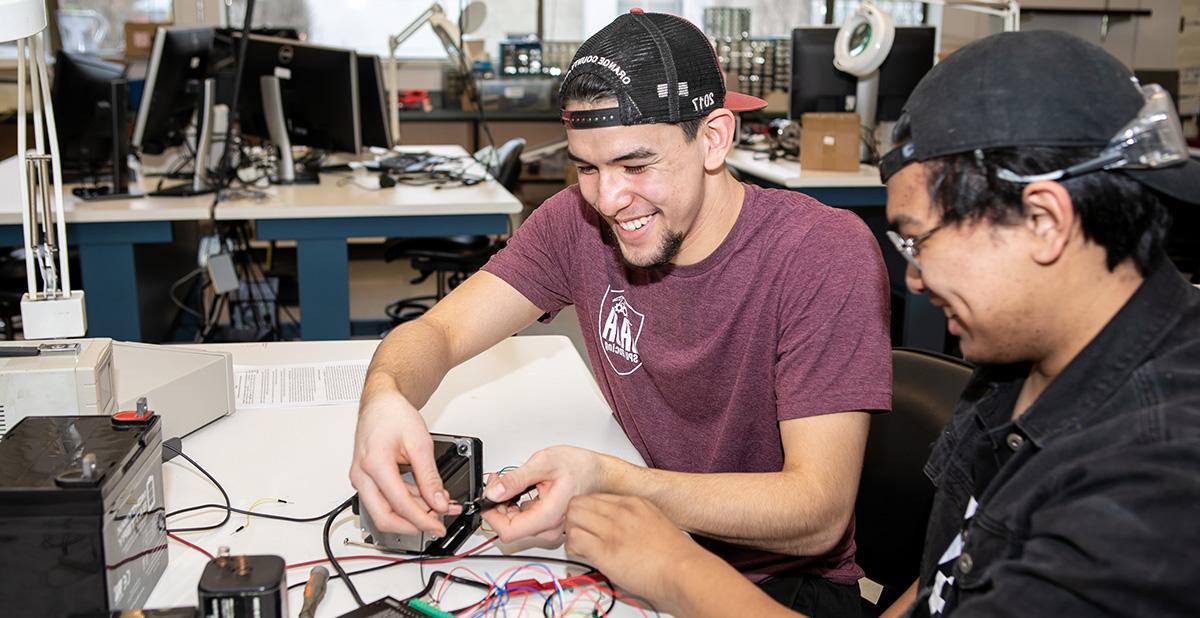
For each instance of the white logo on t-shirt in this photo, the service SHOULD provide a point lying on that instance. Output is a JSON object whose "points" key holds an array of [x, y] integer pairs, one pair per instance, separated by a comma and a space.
{"points": [[619, 328]]}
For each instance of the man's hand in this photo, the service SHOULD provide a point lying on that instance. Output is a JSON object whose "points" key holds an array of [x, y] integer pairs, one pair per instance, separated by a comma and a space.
{"points": [[632, 542], [559, 473], [391, 432]]}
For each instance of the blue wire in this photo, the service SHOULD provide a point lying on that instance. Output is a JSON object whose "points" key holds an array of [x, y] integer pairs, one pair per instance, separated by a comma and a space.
{"points": [[498, 601], [553, 578]]}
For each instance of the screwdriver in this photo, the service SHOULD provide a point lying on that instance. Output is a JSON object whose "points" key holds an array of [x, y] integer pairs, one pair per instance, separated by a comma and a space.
{"points": [[314, 591]]}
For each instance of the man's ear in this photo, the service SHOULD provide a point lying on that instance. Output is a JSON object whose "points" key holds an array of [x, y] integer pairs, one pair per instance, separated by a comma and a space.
{"points": [[1050, 218], [719, 132]]}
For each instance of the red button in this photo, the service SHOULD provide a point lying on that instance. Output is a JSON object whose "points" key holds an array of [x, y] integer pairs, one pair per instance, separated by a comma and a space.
{"points": [[131, 416], [636, 10]]}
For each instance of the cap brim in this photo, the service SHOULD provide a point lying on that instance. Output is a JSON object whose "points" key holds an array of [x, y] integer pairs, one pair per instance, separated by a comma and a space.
{"points": [[1181, 182], [738, 102]]}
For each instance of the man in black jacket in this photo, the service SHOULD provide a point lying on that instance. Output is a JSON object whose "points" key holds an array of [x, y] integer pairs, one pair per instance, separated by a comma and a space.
{"points": [[1030, 194]]}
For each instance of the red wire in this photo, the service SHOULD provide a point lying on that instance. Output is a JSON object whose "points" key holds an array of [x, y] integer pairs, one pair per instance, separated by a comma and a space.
{"points": [[192, 545]]}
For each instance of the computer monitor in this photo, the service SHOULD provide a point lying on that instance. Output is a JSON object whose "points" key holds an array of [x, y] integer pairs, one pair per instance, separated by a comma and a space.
{"points": [[318, 87], [910, 59], [223, 62], [91, 103], [817, 86], [372, 103], [174, 87]]}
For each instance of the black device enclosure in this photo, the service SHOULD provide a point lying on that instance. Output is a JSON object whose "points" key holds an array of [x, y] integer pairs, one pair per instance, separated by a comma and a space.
{"points": [[244, 587], [69, 546], [460, 463]]}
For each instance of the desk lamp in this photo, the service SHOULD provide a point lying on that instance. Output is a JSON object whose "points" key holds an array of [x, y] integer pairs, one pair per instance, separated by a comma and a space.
{"points": [[54, 310], [865, 40], [447, 31]]}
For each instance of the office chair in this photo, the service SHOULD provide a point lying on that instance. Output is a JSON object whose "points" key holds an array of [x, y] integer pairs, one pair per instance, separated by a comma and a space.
{"points": [[451, 258], [894, 496]]}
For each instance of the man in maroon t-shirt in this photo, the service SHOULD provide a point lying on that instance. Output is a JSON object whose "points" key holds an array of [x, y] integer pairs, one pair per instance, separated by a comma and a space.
{"points": [[739, 334]]}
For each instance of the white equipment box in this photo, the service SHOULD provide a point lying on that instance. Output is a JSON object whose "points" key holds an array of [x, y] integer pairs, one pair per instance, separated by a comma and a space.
{"points": [[188, 388]]}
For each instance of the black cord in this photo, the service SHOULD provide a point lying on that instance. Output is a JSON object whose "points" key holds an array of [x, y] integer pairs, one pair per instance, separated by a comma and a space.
{"points": [[433, 577], [228, 506], [547, 607], [239, 67], [337, 566], [300, 520], [426, 558], [295, 322]]}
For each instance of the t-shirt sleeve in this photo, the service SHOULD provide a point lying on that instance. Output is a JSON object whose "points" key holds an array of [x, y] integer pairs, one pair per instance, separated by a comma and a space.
{"points": [[535, 260], [835, 343]]}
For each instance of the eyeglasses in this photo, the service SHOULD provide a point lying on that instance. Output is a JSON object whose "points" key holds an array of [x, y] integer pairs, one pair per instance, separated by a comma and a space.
{"points": [[1153, 139], [911, 247]]}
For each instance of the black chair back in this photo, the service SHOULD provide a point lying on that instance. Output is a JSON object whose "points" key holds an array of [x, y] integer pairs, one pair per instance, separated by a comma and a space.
{"points": [[508, 163], [894, 496]]}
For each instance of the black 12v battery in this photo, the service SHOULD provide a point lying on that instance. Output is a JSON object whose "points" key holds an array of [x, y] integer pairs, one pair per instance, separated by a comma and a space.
{"points": [[243, 587], [82, 525]]}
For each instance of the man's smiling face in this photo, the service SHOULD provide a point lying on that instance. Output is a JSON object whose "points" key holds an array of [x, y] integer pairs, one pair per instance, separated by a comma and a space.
{"points": [[647, 181]]}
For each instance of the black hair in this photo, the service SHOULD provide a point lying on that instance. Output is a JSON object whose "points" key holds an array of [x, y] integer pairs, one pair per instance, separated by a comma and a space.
{"points": [[1116, 212], [588, 88]]}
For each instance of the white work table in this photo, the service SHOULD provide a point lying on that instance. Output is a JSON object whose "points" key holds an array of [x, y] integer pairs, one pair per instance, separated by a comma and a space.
{"points": [[359, 195], [785, 173], [524, 394], [320, 218], [789, 174]]}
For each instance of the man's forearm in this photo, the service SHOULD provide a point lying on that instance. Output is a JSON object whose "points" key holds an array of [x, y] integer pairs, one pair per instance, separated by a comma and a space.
{"points": [[785, 512], [398, 365]]}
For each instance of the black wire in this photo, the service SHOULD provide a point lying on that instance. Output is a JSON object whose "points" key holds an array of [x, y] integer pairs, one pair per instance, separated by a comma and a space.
{"points": [[612, 601], [228, 506], [426, 558], [547, 606], [433, 577], [337, 566], [239, 67], [254, 513], [295, 322]]}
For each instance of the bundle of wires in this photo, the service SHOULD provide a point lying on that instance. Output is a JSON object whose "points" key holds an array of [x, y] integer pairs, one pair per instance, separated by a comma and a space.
{"points": [[559, 595]]}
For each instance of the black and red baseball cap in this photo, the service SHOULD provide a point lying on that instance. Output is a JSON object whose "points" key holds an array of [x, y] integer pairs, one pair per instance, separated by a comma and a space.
{"points": [[663, 69]]}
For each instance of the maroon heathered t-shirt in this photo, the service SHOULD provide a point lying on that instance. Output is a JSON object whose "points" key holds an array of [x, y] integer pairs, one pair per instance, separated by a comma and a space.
{"points": [[787, 318]]}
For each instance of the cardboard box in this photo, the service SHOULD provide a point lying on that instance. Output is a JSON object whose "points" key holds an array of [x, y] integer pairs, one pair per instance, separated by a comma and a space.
{"points": [[139, 38], [829, 141]]}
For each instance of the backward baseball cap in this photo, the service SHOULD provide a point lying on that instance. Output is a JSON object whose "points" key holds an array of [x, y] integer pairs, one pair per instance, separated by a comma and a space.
{"points": [[1032, 88], [662, 67]]}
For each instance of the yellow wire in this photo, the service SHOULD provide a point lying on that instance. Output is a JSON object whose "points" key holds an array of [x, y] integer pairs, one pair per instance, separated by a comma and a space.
{"points": [[254, 504]]}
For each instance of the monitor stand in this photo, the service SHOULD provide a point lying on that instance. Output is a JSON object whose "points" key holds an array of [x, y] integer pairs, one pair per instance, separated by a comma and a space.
{"points": [[200, 182], [287, 174], [866, 96], [118, 116]]}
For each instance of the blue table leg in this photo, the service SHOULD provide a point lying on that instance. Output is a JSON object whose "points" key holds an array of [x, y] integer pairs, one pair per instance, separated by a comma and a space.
{"points": [[108, 271], [323, 260], [110, 288], [324, 289]]}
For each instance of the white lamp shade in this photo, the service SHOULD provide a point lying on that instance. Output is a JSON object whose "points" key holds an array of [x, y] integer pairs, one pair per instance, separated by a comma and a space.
{"points": [[21, 18], [864, 41]]}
